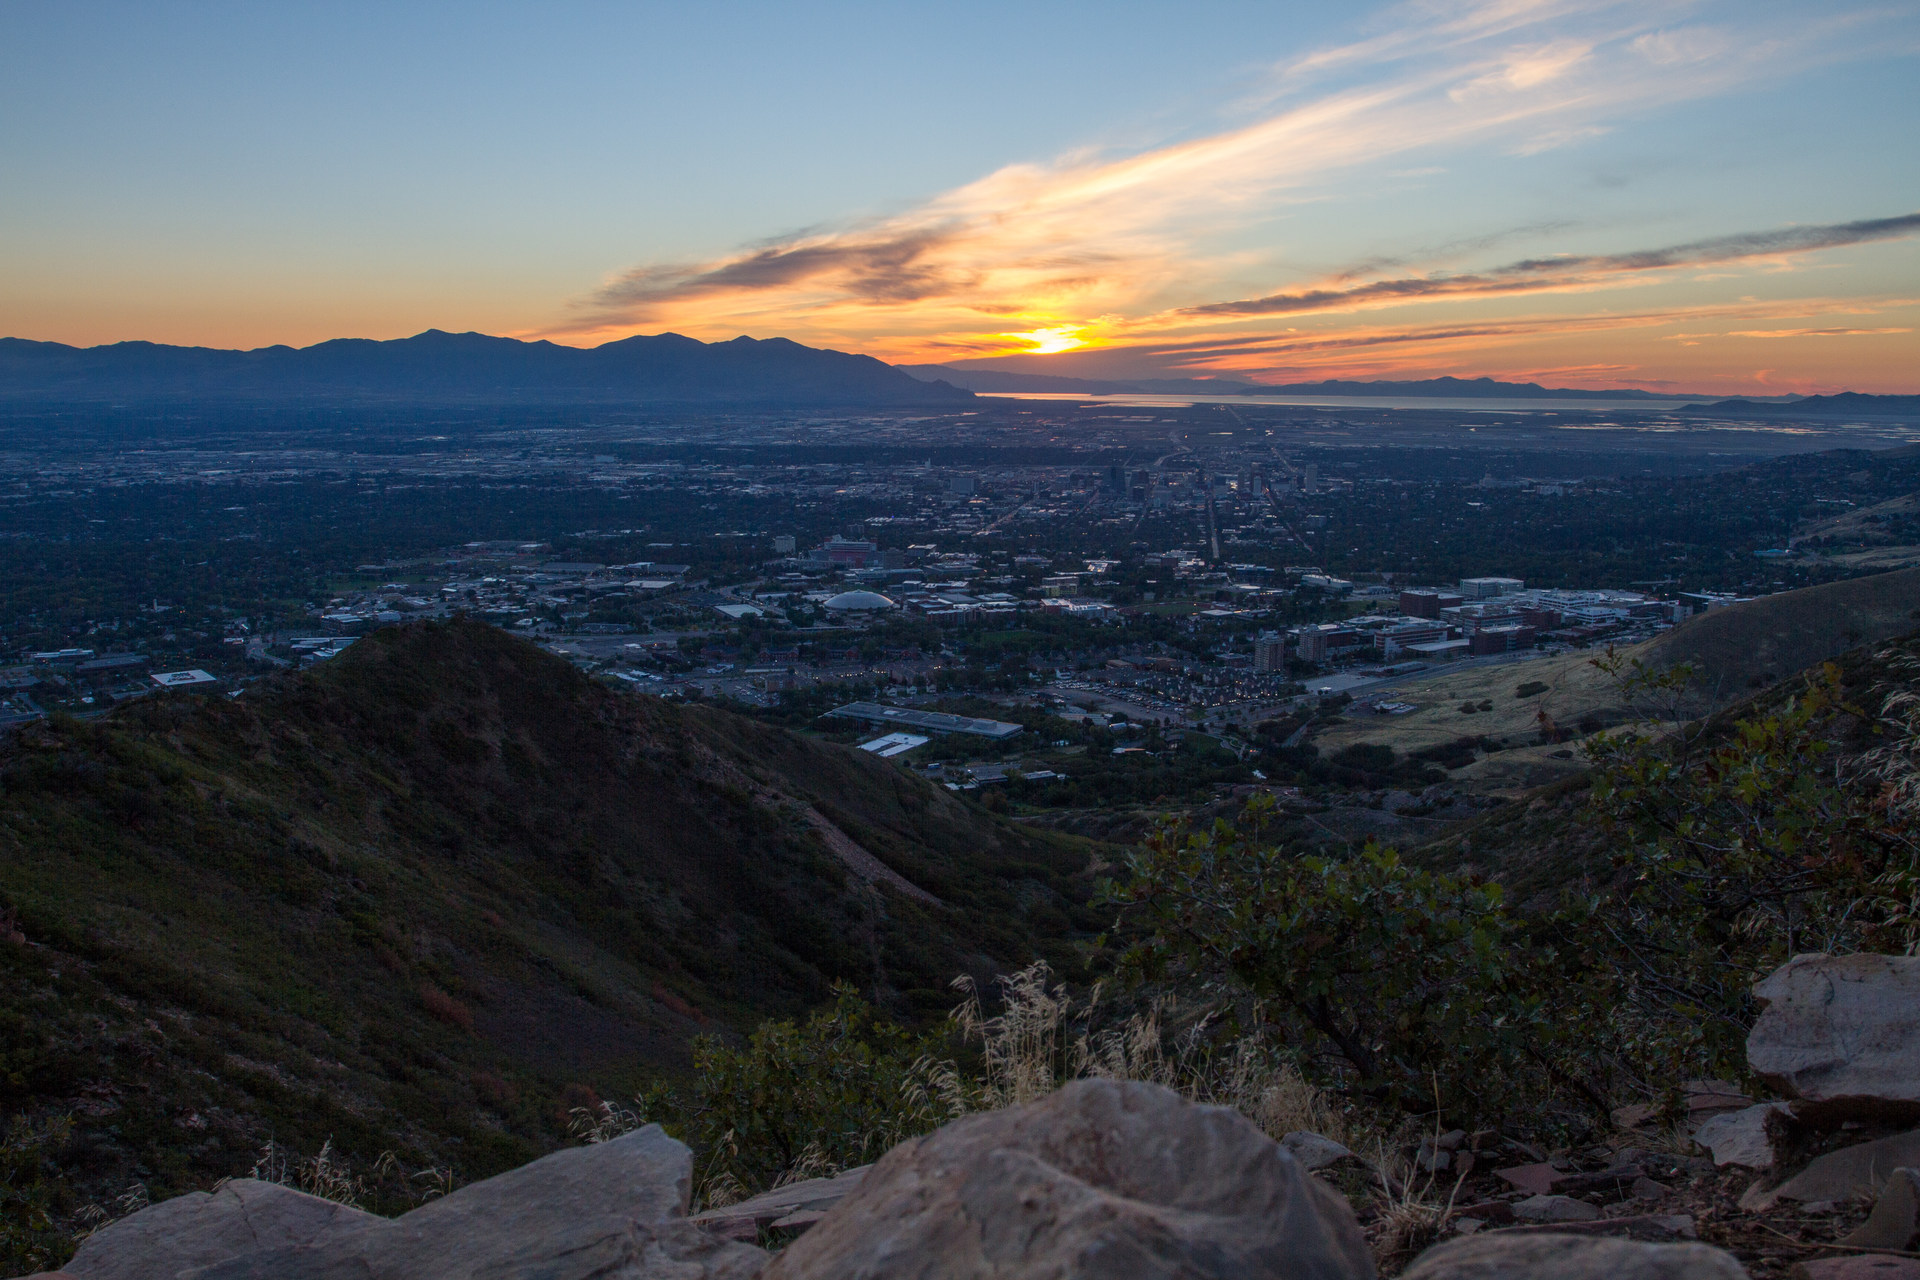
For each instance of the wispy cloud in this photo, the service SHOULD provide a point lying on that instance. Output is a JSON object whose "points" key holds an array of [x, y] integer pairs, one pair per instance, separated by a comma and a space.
{"points": [[1116, 247], [1812, 333], [1571, 271]]}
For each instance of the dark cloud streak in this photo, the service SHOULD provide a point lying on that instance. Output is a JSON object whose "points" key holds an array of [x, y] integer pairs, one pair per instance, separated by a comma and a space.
{"points": [[1538, 274]]}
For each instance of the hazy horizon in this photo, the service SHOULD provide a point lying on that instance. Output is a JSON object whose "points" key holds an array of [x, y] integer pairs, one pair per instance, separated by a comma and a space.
{"points": [[1699, 198]]}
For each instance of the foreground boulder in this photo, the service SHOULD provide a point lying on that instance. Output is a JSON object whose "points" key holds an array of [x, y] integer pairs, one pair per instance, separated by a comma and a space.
{"points": [[1104, 1180], [1569, 1257], [202, 1227], [614, 1209], [1841, 1036]]}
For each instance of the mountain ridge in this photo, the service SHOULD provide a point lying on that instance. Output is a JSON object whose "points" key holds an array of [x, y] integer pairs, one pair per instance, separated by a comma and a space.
{"points": [[436, 366], [1844, 404], [988, 381], [429, 895]]}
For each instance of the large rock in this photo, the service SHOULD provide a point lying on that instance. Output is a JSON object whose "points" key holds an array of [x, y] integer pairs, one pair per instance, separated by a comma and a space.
{"points": [[1840, 1175], [1104, 1180], [612, 1210], [1313, 1151], [202, 1227], [1570, 1257], [1841, 1035]]}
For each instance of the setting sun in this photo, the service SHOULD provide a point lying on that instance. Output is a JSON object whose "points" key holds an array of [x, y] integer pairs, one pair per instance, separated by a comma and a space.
{"points": [[1046, 342]]}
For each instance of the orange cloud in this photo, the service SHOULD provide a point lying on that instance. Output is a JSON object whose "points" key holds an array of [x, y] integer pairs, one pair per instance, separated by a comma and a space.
{"points": [[1128, 253]]}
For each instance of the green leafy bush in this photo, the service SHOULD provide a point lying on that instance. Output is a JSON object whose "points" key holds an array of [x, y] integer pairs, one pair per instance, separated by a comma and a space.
{"points": [[799, 1099], [1741, 849], [1394, 981]]}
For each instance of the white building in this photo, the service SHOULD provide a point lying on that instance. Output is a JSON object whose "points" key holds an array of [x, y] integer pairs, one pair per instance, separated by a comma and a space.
{"points": [[1489, 588]]}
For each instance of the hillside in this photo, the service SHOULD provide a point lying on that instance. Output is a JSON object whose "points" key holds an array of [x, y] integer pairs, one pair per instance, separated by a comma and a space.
{"points": [[1847, 404], [1540, 846], [1761, 641], [437, 367], [424, 897]]}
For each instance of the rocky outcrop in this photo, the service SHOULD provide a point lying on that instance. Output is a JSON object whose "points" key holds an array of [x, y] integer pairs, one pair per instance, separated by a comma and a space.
{"points": [[1841, 1036], [1570, 1257], [614, 1209], [204, 1227], [1104, 1180]]}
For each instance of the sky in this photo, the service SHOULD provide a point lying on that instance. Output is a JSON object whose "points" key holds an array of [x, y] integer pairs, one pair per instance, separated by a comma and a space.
{"points": [[1682, 195]]}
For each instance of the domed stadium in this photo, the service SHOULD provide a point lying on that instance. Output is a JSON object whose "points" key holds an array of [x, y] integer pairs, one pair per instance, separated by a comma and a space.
{"points": [[858, 602]]}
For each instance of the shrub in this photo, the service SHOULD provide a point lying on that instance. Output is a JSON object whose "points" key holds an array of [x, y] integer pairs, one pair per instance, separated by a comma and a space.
{"points": [[445, 1008], [1743, 850], [1530, 689], [1392, 981], [799, 1099], [29, 1239]]}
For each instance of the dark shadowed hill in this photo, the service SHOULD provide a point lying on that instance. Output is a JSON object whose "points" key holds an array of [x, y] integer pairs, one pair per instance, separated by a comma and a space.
{"points": [[416, 899], [1744, 646], [436, 367], [1847, 404]]}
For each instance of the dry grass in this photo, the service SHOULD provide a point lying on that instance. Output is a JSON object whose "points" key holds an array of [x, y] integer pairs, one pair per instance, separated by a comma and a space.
{"points": [[318, 1175], [1044, 1037], [327, 1176]]}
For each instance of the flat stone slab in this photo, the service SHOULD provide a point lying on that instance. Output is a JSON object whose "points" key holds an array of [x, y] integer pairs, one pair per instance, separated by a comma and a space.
{"points": [[1843, 1174], [1861, 1266], [1510, 1255], [782, 1207]]}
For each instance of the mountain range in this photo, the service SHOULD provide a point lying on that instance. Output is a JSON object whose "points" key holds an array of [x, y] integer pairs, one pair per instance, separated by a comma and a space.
{"points": [[996, 380], [438, 367]]}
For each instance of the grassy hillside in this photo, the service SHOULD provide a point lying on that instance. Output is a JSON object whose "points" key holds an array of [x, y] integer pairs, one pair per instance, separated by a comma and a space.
{"points": [[425, 897], [1744, 646], [1543, 844], [1736, 650]]}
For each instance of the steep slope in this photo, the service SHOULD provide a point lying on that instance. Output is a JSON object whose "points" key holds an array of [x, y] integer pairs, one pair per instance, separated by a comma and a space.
{"points": [[439, 367], [1541, 846], [420, 898], [1747, 645]]}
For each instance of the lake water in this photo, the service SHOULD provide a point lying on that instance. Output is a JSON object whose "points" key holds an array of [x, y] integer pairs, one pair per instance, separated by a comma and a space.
{"points": [[1437, 404]]}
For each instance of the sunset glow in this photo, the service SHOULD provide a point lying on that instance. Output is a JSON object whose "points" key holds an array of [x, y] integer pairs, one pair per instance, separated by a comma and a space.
{"points": [[1046, 342], [1619, 192]]}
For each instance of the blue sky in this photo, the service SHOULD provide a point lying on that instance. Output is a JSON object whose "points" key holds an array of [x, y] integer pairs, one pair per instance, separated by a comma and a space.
{"points": [[1085, 188]]}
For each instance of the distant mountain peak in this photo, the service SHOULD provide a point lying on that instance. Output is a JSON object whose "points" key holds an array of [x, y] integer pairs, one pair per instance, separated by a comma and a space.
{"points": [[436, 366]]}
